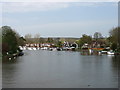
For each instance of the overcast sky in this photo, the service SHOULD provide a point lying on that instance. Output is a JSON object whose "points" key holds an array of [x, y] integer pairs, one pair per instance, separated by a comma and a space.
{"points": [[60, 19]]}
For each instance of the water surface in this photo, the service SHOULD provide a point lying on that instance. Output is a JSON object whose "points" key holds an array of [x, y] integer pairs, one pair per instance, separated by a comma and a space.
{"points": [[60, 69]]}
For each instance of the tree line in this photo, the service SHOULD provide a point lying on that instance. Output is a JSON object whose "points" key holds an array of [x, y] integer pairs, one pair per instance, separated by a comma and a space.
{"points": [[113, 41], [11, 40]]}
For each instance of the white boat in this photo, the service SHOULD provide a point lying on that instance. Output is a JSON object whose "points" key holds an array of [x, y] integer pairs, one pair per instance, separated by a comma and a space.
{"points": [[38, 48], [21, 48], [110, 53], [54, 49], [29, 48], [24, 48], [104, 52], [34, 48], [44, 48]]}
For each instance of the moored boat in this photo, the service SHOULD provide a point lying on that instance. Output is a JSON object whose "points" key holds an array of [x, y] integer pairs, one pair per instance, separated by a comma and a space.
{"points": [[34, 48], [110, 53], [59, 49]]}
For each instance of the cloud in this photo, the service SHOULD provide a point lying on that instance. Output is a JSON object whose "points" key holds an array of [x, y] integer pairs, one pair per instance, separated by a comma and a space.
{"points": [[13, 7], [59, 0], [28, 7]]}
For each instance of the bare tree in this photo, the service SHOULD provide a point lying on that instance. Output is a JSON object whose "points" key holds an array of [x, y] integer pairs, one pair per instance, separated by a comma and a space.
{"points": [[28, 38], [97, 35], [37, 38]]}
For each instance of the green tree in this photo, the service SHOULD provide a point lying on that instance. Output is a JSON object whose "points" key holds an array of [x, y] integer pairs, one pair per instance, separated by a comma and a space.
{"points": [[59, 44], [50, 40], [84, 39], [114, 38], [21, 41], [9, 40]]}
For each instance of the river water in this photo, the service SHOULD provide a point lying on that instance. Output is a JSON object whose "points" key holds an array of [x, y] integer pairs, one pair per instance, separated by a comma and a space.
{"points": [[60, 69]]}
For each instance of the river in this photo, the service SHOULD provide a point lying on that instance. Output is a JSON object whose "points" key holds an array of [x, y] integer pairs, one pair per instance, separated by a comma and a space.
{"points": [[60, 69]]}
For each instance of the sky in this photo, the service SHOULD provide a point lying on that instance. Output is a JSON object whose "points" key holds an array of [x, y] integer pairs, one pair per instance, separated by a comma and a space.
{"points": [[60, 19]]}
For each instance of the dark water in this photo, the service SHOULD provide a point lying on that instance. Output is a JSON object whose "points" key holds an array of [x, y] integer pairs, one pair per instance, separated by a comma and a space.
{"points": [[59, 69]]}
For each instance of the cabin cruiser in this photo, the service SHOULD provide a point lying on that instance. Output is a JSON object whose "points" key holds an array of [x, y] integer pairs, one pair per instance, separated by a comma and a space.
{"points": [[110, 52]]}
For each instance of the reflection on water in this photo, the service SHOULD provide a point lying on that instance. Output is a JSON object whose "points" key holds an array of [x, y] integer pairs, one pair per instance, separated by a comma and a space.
{"points": [[53, 69], [0, 72]]}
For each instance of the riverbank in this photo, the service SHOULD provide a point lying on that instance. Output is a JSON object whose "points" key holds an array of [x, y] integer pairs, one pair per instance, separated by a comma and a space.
{"points": [[85, 51]]}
